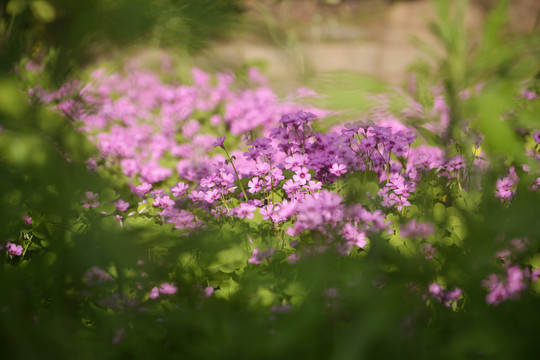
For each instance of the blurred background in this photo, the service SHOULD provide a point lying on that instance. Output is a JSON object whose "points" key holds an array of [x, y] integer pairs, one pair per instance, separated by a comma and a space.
{"points": [[294, 41], [304, 40], [335, 47]]}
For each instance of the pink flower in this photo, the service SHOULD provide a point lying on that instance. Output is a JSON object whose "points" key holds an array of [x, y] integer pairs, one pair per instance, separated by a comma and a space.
{"points": [[302, 176], [211, 196], [245, 211], [338, 170], [536, 137], [27, 220], [219, 142], [428, 250], [154, 293], [504, 188], [167, 289], [208, 291], [118, 336], [254, 185], [529, 95], [164, 202], [497, 294], [254, 259], [95, 276], [91, 200], [179, 189], [121, 205], [143, 189], [295, 161], [258, 256], [414, 229], [14, 249], [292, 259]]}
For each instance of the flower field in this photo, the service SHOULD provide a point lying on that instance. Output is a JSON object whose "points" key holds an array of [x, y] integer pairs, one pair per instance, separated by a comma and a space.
{"points": [[151, 214]]}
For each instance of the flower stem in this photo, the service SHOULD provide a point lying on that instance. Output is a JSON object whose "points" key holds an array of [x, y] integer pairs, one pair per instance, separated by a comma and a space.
{"points": [[236, 172], [27, 246]]}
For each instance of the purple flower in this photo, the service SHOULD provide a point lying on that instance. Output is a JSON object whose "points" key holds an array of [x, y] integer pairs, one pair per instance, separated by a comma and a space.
{"points": [[27, 220], [415, 229], [293, 258], [95, 276], [245, 211], [435, 290], [143, 188], [254, 259], [281, 309], [509, 287], [212, 196], [353, 236], [295, 161], [191, 128], [338, 170], [254, 185], [528, 95], [154, 293], [455, 163], [428, 250], [121, 205], [453, 295], [444, 296], [536, 185], [14, 249], [536, 137], [208, 291], [497, 294], [118, 336], [164, 202], [302, 176], [504, 188], [219, 142], [91, 200], [167, 289], [515, 280], [258, 256]]}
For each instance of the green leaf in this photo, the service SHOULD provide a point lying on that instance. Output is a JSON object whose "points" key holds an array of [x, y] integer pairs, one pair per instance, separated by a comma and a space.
{"points": [[439, 212], [133, 222], [108, 208], [499, 136], [107, 195], [229, 260], [15, 7], [534, 261], [227, 288], [11, 101], [396, 240], [411, 211], [372, 188], [264, 297], [295, 289], [43, 11], [469, 200]]}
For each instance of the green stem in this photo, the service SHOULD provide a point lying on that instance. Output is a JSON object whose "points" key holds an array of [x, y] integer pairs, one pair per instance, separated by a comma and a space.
{"points": [[26, 247], [236, 172]]}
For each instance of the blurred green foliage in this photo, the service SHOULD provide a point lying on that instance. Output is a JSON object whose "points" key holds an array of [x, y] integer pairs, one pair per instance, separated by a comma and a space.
{"points": [[47, 312], [79, 31]]}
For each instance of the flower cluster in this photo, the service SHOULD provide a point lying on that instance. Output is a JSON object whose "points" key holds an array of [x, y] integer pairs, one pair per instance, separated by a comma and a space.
{"points": [[510, 286], [446, 297], [274, 171]]}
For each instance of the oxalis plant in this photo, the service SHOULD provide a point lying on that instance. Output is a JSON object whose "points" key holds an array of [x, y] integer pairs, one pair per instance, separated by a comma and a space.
{"points": [[145, 217]]}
